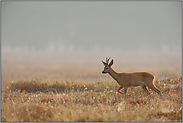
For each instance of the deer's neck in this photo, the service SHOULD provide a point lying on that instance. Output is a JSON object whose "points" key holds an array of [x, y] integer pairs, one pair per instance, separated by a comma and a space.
{"points": [[114, 74]]}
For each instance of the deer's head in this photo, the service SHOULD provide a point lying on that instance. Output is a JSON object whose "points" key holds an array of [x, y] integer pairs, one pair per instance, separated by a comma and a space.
{"points": [[107, 65]]}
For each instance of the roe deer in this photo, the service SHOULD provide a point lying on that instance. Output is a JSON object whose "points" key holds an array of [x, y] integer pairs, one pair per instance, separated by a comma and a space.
{"points": [[125, 80]]}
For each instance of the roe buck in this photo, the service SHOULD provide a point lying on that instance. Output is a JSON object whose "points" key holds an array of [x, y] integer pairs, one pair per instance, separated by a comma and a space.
{"points": [[125, 80]]}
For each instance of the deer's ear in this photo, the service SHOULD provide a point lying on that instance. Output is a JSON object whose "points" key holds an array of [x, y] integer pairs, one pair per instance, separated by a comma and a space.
{"points": [[104, 63], [111, 63]]}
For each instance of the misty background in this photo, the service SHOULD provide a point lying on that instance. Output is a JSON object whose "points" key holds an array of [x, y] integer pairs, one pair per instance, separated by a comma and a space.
{"points": [[92, 25], [134, 34]]}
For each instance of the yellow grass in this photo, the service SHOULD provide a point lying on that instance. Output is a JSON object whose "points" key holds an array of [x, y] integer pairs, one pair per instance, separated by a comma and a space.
{"points": [[57, 90], [89, 102]]}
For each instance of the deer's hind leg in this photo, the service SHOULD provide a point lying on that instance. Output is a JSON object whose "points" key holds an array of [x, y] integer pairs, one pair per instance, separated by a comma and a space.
{"points": [[145, 88], [153, 87]]}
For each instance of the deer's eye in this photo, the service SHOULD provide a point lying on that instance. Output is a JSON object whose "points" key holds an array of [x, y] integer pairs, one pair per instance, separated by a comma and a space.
{"points": [[107, 68]]}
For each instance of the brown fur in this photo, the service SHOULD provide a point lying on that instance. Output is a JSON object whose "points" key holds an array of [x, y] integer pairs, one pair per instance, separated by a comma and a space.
{"points": [[125, 80]]}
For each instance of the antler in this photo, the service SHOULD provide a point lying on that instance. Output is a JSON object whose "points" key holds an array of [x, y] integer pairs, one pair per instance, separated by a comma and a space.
{"points": [[107, 60]]}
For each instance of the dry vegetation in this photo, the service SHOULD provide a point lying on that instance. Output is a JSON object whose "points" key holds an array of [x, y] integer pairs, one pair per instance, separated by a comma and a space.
{"points": [[57, 101], [33, 91]]}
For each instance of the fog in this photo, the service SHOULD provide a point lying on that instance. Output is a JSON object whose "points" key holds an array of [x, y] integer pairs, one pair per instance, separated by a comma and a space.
{"points": [[93, 29]]}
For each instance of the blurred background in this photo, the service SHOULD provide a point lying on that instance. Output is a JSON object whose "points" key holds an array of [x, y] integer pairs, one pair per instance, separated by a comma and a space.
{"points": [[58, 36]]}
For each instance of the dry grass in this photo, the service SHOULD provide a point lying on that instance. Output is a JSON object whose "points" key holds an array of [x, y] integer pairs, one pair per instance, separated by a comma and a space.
{"points": [[54, 89], [33, 101]]}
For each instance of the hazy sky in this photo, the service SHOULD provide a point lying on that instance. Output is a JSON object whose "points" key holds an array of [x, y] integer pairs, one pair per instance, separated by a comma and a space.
{"points": [[119, 25]]}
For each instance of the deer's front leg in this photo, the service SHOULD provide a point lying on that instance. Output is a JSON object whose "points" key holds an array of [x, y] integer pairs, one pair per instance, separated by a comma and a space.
{"points": [[120, 89], [125, 90]]}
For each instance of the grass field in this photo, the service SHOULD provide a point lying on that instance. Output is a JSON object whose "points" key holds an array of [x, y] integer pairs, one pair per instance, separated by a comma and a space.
{"points": [[56, 90]]}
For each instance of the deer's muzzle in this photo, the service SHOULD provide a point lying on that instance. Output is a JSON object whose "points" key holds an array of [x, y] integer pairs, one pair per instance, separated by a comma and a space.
{"points": [[103, 72]]}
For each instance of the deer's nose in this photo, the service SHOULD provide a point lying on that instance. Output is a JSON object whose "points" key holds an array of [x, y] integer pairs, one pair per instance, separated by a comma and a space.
{"points": [[103, 72]]}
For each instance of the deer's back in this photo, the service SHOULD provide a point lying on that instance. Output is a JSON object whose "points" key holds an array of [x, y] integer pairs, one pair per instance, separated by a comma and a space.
{"points": [[135, 78]]}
